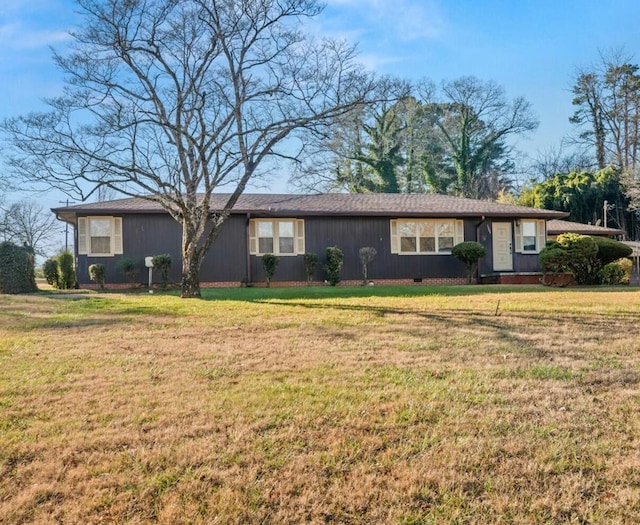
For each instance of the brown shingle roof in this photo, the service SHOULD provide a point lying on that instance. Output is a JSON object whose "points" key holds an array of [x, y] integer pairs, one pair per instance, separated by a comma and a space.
{"points": [[337, 204], [557, 227]]}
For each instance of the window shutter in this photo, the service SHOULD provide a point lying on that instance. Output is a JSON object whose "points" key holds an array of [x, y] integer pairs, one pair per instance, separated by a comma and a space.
{"points": [[459, 232], [253, 238], [82, 236], [395, 240], [300, 248], [519, 241], [541, 235], [117, 235]]}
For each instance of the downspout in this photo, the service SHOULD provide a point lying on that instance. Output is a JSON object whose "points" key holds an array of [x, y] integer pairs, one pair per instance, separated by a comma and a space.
{"points": [[483, 219], [248, 244]]}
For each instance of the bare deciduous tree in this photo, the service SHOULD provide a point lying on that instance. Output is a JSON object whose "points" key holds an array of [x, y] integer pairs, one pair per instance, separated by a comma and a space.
{"points": [[551, 161], [474, 119], [28, 223], [171, 99], [607, 115]]}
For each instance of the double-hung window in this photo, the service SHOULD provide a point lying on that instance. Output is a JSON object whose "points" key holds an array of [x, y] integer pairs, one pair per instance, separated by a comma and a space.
{"points": [[425, 236], [99, 236], [530, 235], [280, 237]]}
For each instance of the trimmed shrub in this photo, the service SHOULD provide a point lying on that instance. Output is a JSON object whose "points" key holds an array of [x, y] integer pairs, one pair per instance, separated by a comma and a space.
{"points": [[612, 274], [96, 274], [469, 252], [616, 272], [367, 256], [269, 263], [129, 268], [584, 256], [50, 271], [554, 259], [610, 250], [17, 269], [66, 271], [333, 267], [627, 266], [162, 263], [310, 264]]}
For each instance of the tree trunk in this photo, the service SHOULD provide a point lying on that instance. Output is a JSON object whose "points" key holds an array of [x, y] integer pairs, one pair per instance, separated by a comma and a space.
{"points": [[191, 261], [190, 276]]}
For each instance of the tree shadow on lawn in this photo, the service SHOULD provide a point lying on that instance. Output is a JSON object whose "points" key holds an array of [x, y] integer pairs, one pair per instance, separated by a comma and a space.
{"points": [[513, 328]]}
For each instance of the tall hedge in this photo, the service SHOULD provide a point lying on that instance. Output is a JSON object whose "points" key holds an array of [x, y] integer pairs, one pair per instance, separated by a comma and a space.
{"points": [[50, 270], [66, 271], [17, 269], [334, 264]]}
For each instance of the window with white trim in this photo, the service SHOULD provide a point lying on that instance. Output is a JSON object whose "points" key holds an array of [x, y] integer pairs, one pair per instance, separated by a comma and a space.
{"points": [[425, 236], [280, 237], [530, 235], [100, 236]]}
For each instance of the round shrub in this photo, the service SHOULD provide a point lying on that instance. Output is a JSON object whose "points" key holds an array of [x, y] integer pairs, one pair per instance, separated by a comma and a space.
{"points": [[128, 267], [582, 257], [310, 263], [627, 265], [17, 269], [96, 274], [554, 258], [50, 271], [269, 263], [612, 274], [162, 263], [469, 252]]}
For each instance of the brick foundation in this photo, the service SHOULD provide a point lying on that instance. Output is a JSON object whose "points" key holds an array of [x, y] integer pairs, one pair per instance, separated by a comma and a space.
{"points": [[527, 278], [348, 282], [293, 284]]}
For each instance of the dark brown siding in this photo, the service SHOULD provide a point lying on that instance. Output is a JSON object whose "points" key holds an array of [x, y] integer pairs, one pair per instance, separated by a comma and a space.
{"points": [[352, 233], [522, 262], [147, 235]]}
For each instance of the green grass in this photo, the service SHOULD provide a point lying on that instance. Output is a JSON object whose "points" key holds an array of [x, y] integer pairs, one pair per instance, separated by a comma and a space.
{"points": [[322, 405]]}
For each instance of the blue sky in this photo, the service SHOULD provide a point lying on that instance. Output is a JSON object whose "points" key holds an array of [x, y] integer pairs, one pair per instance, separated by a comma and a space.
{"points": [[531, 48]]}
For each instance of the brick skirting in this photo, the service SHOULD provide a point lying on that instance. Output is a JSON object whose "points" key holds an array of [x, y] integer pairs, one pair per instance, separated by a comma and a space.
{"points": [[293, 284]]}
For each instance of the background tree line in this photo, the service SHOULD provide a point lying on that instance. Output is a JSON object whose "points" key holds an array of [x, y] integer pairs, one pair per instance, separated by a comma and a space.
{"points": [[452, 138]]}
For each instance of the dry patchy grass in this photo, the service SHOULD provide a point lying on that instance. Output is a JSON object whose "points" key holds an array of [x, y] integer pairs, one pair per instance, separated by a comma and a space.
{"points": [[505, 406]]}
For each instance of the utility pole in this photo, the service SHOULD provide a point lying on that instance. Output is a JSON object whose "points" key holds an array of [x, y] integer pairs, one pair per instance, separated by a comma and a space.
{"points": [[606, 209], [66, 228]]}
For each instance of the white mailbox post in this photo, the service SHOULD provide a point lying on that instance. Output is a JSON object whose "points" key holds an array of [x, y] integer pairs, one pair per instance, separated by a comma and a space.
{"points": [[148, 262]]}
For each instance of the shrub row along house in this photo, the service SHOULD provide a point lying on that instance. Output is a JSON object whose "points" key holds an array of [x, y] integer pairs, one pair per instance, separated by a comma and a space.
{"points": [[413, 235]]}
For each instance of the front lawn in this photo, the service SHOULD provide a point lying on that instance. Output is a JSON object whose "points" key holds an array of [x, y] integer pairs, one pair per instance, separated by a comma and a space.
{"points": [[406, 405]]}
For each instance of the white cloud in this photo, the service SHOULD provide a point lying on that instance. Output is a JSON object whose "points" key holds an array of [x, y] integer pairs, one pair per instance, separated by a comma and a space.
{"points": [[404, 19], [17, 37]]}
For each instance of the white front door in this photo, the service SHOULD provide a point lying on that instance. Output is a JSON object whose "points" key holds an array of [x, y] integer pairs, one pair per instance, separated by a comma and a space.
{"points": [[502, 247]]}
